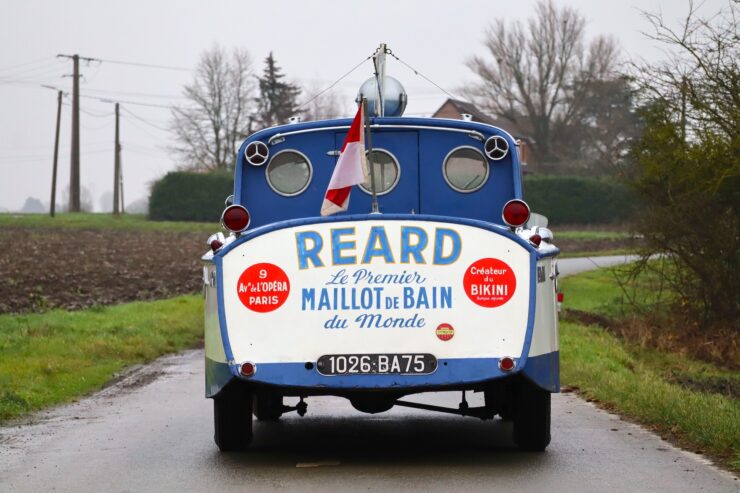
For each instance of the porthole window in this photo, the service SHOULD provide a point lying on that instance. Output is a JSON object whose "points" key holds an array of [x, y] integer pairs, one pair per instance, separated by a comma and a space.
{"points": [[387, 172], [465, 169], [289, 173]]}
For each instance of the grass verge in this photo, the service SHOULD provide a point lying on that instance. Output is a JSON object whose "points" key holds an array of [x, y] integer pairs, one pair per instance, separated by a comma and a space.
{"points": [[586, 235], [54, 357], [85, 220], [690, 402], [596, 253]]}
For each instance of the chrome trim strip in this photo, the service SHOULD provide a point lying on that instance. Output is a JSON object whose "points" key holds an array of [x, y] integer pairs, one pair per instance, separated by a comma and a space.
{"points": [[472, 133]]}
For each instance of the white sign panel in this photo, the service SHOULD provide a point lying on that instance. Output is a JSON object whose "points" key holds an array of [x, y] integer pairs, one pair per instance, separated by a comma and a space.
{"points": [[450, 290]]}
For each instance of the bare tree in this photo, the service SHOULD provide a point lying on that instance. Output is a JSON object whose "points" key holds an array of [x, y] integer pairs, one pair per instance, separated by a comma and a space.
{"points": [[322, 105], [698, 82], [219, 112], [534, 70]]}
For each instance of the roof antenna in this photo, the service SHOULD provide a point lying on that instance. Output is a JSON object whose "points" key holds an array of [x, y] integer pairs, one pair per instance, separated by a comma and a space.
{"points": [[379, 64]]}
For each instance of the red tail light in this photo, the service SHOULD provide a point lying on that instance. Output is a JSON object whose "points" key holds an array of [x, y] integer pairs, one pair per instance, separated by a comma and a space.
{"points": [[235, 218], [247, 369], [561, 297], [506, 363], [535, 239], [215, 245], [515, 213]]}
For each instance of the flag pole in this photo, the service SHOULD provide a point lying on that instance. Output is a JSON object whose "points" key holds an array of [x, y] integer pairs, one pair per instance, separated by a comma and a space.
{"points": [[369, 140]]}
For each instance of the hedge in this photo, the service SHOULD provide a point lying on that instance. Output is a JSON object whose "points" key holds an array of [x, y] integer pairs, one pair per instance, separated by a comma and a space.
{"points": [[578, 200], [189, 196]]}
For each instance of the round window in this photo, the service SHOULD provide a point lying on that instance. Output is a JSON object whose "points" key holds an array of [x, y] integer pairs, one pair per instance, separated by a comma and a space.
{"points": [[466, 169], [289, 173], [386, 171]]}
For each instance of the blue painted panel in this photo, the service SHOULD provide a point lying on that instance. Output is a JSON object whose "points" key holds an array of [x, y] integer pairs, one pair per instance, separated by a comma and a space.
{"points": [[544, 370], [449, 372], [426, 146], [265, 205], [438, 197]]}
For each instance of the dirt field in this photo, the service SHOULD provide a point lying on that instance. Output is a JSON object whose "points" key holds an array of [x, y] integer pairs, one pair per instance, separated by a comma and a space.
{"points": [[72, 269]]}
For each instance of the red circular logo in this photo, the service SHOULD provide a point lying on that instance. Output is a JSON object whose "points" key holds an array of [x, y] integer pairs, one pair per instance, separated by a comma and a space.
{"points": [[489, 282], [263, 287], [445, 332]]}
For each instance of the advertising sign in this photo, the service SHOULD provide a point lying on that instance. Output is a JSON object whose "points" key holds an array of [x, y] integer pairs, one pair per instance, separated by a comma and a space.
{"points": [[454, 291]]}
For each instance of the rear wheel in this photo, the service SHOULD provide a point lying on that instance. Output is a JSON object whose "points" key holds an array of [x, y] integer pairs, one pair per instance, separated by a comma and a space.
{"points": [[531, 417], [268, 406], [232, 419]]}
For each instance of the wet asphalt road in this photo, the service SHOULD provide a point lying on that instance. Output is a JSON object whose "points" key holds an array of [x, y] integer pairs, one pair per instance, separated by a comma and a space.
{"points": [[153, 432]]}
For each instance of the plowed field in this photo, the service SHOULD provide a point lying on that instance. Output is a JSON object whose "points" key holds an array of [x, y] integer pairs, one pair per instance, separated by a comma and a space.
{"points": [[73, 269]]}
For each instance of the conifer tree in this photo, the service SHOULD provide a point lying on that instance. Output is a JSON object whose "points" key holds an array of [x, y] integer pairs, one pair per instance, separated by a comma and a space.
{"points": [[278, 99]]}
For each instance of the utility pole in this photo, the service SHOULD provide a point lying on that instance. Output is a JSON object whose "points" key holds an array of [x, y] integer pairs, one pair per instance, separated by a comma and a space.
{"points": [[56, 156], [74, 172], [120, 176], [117, 170]]}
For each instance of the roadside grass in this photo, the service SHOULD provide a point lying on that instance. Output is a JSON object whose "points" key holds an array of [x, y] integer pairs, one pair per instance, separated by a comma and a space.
{"points": [[589, 241], [690, 402], [587, 235], [54, 357], [101, 221], [595, 253], [598, 291], [595, 291]]}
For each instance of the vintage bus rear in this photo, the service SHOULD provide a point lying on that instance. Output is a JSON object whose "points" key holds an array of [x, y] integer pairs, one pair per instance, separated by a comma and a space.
{"points": [[448, 287]]}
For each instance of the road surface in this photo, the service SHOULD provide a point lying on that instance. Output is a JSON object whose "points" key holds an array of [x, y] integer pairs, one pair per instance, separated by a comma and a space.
{"points": [[152, 431]]}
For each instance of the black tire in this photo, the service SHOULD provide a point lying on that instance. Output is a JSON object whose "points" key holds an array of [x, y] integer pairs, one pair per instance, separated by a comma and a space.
{"points": [[232, 419], [531, 417], [268, 406]]}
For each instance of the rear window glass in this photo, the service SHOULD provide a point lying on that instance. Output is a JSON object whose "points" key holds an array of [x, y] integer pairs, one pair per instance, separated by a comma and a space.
{"points": [[289, 173], [466, 169]]}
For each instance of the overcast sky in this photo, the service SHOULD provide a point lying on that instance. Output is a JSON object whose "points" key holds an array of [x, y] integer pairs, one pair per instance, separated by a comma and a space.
{"points": [[314, 42]]}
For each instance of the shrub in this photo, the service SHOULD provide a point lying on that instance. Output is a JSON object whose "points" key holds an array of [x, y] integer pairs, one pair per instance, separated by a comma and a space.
{"points": [[578, 200], [190, 196], [686, 167]]}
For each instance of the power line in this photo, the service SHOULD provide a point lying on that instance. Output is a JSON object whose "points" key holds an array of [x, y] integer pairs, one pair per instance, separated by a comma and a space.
{"points": [[32, 62], [141, 119], [22, 82], [135, 103], [134, 93], [132, 122], [33, 72], [147, 65], [422, 75], [91, 113], [335, 82], [33, 160]]}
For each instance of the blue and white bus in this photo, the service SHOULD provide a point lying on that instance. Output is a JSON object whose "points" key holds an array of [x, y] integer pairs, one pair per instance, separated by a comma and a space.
{"points": [[450, 287]]}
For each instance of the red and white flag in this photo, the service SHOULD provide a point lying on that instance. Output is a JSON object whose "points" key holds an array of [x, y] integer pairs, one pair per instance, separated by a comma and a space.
{"points": [[349, 171]]}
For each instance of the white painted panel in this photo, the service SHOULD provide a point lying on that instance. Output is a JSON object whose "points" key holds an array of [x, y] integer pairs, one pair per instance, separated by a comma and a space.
{"points": [[545, 334], [294, 332]]}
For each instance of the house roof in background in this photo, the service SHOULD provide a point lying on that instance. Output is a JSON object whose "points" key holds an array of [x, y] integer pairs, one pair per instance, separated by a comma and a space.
{"points": [[477, 114]]}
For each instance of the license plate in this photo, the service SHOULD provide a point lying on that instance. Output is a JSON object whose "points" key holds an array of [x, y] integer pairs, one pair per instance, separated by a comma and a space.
{"points": [[376, 364]]}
